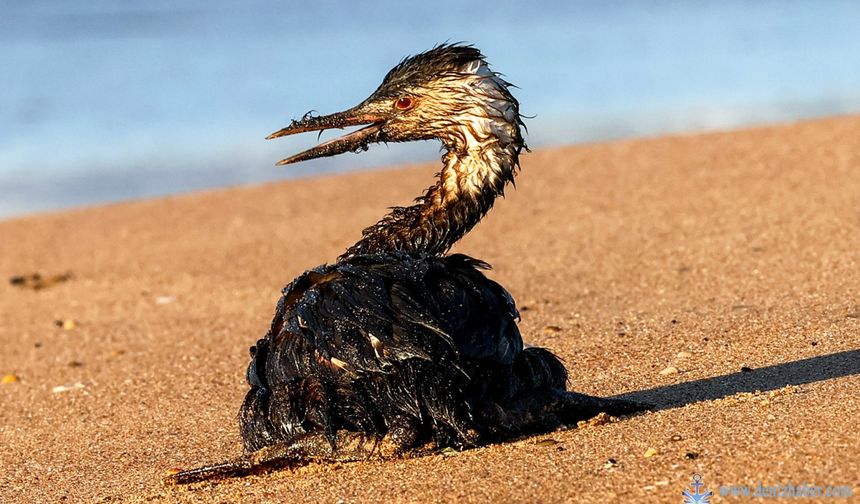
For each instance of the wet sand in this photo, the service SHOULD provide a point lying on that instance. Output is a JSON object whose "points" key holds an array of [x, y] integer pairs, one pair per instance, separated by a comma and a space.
{"points": [[686, 271]]}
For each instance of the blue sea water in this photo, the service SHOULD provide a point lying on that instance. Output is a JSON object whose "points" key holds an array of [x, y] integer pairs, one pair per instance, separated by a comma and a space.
{"points": [[109, 100]]}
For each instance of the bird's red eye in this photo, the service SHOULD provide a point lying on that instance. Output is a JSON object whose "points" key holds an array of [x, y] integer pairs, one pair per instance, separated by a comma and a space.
{"points": [[404, 103]]}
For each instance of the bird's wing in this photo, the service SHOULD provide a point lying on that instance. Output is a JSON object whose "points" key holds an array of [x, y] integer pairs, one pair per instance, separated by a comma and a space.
{"points": [[479, 313], [361, 315], [365, 314], [354, 326]]}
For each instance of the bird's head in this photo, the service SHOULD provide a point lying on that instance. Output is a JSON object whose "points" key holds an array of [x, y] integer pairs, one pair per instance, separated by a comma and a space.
{"points": [[448, 93]]}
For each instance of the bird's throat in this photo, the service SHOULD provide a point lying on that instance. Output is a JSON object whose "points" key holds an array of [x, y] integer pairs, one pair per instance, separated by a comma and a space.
{"points": [[468, 184]]}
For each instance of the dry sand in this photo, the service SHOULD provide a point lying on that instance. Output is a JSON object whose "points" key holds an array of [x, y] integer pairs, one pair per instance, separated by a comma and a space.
{"points": [[707, 254]]}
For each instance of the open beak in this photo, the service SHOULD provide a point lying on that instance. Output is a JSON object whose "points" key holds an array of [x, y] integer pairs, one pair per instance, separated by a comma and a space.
{"points": [[351, 142]]}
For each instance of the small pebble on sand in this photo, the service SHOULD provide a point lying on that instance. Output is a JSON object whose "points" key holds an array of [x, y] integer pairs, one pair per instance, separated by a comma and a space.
{"points": [[162, 300], [67, 387], [600, 419], [66, 324], [9, 378]]}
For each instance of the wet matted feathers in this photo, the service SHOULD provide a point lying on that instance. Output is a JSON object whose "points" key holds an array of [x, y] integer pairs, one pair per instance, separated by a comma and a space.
{"points": [[406, 330], [396, 348]]}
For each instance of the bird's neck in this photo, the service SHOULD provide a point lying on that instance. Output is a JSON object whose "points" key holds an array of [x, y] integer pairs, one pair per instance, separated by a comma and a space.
{"points": [[476, 170]]}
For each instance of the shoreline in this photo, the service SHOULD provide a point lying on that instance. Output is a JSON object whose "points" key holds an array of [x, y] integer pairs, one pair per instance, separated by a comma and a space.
{"points": [[338, 169]]}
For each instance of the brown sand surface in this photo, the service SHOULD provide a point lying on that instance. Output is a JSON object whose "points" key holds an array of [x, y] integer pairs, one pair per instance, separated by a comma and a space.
{"points": [[706, 253]]}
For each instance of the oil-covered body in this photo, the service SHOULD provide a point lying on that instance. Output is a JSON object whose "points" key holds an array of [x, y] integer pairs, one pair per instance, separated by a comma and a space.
{"points": [[425, 348]]}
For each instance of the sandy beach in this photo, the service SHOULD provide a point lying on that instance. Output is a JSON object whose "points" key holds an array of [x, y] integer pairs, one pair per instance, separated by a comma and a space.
{"points": [[716, 276]]}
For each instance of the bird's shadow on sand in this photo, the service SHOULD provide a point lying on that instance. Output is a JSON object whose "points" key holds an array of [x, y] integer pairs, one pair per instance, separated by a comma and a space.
{"points": [[799, 372]]}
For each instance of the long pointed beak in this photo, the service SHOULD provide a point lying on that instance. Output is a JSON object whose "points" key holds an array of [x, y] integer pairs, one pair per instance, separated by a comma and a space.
{"points": [[351, 142]]}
